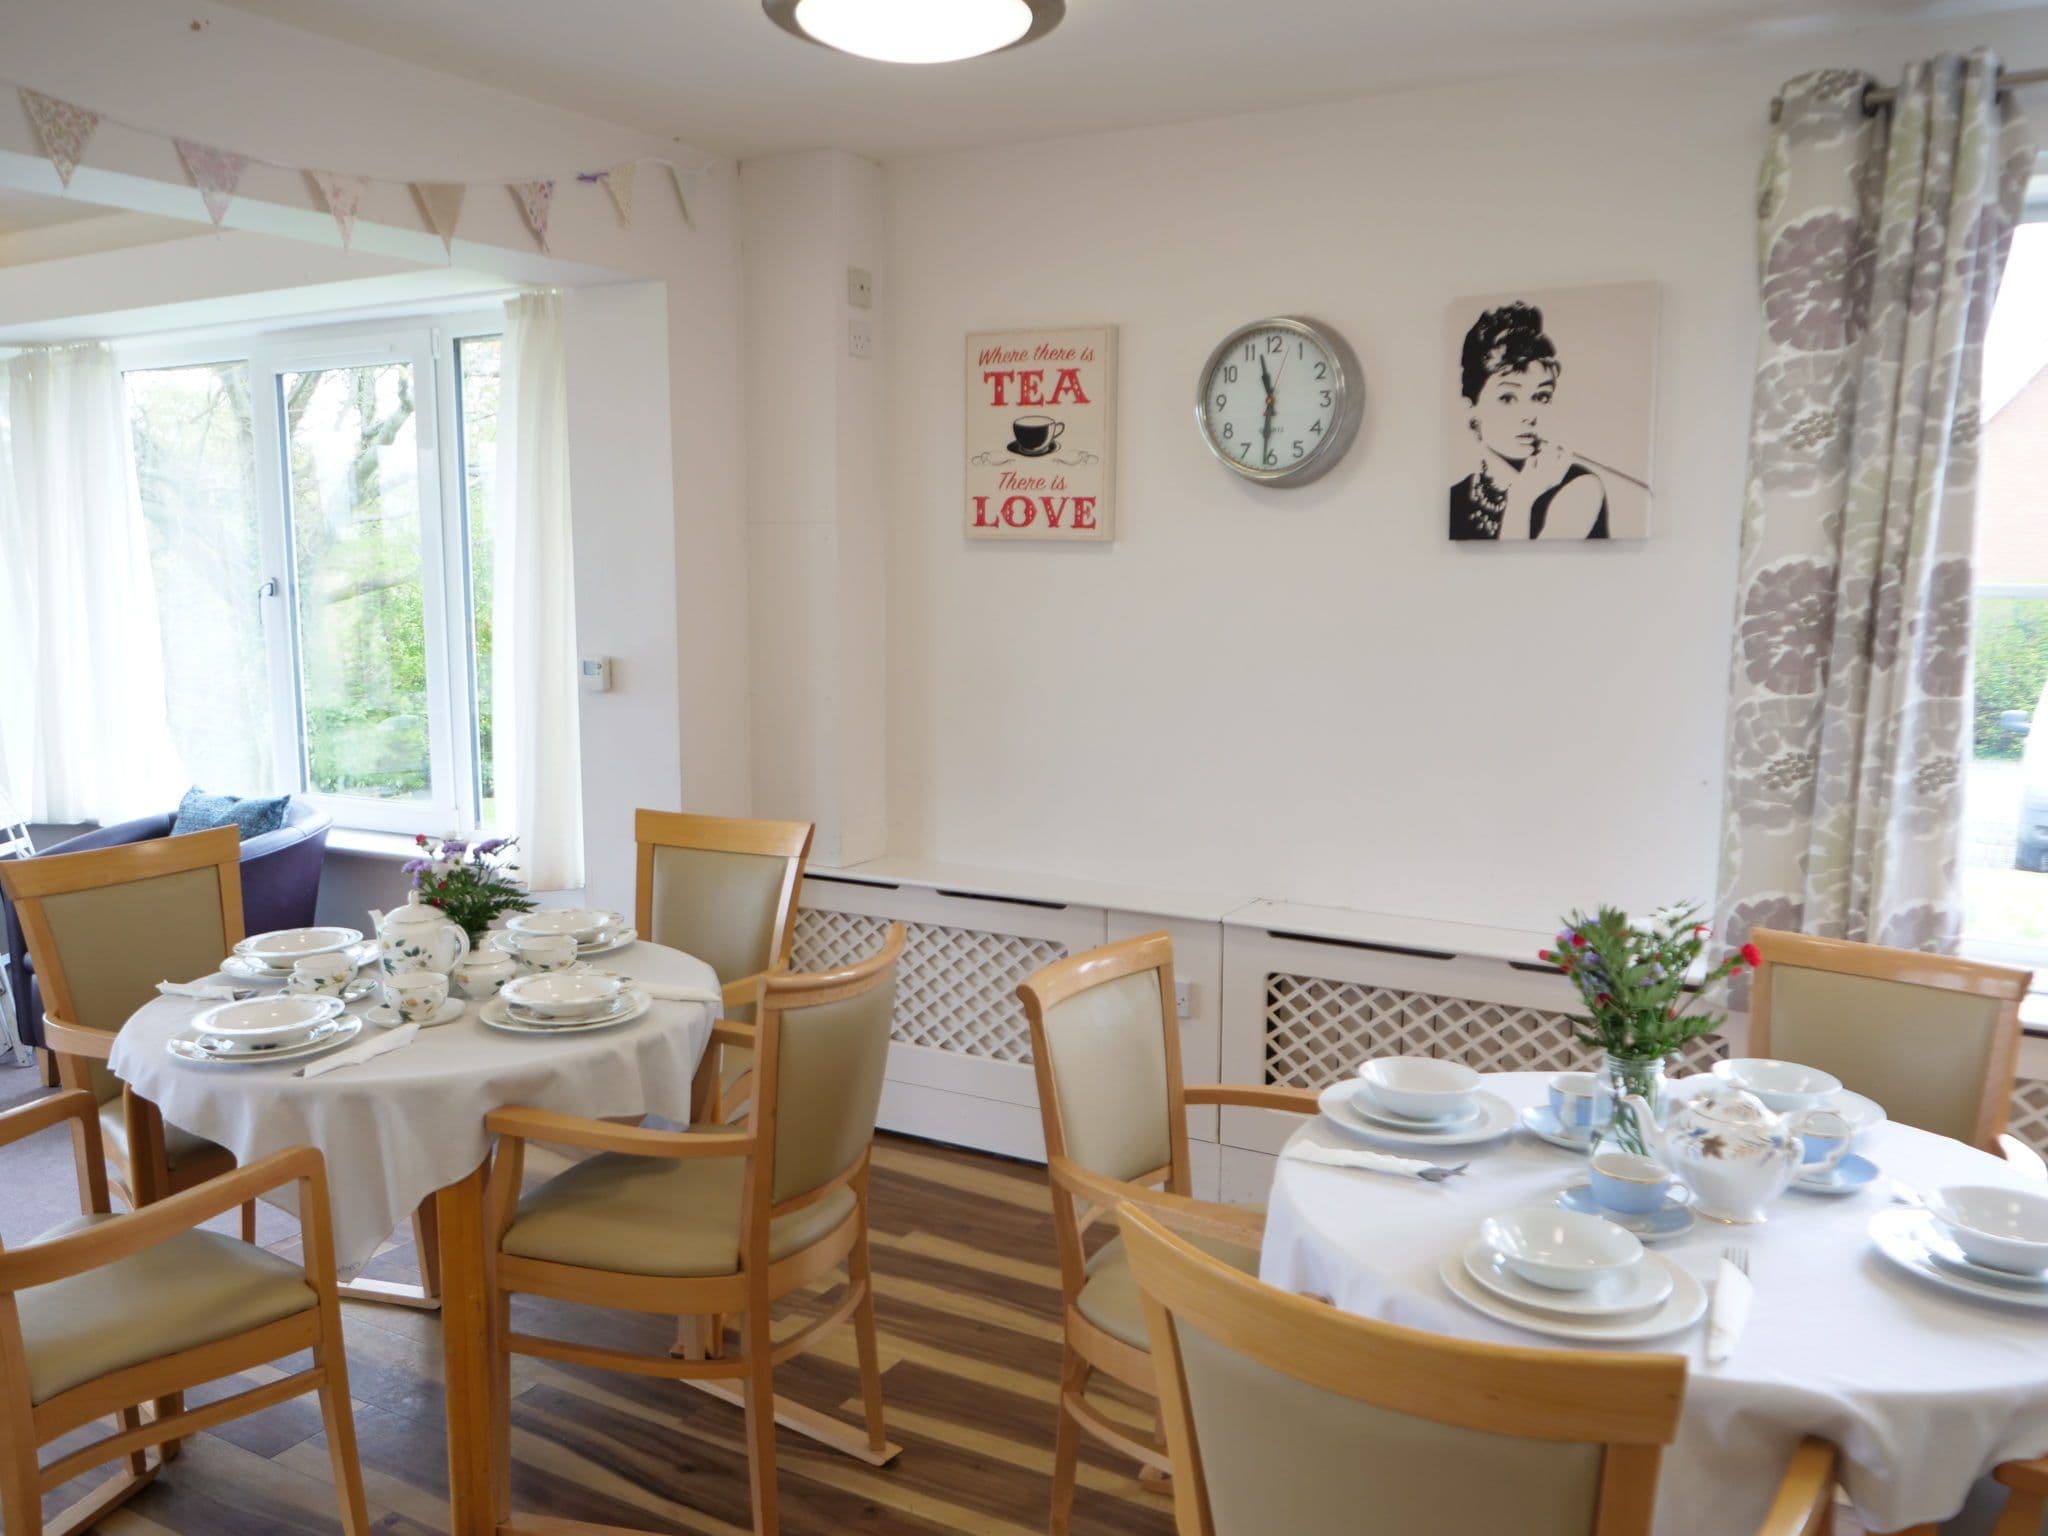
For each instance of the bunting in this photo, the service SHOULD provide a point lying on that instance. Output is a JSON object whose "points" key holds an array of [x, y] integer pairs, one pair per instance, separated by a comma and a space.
{"points": [[217, 171], [535, 199], [344, 195], [618, 181], [675, 174], [441, 202], [61, 129]]}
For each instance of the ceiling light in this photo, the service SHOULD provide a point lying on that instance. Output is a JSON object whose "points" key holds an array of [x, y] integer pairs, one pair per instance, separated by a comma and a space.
{"points": [[917, 31]]}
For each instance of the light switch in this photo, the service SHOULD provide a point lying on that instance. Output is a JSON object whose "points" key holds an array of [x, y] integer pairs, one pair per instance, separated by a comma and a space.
{"points": [[595, 674]]}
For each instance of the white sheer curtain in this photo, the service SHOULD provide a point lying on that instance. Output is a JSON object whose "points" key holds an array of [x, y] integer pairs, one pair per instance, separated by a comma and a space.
{"points": [[83, 733], [535, 744]]}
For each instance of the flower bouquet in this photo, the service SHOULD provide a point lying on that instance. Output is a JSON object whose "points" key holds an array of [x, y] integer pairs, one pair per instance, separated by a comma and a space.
{"points": [[472, 884]]}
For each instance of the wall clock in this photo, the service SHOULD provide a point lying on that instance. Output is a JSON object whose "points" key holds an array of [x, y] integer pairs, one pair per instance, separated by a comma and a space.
{"points": [[1280, 400]]}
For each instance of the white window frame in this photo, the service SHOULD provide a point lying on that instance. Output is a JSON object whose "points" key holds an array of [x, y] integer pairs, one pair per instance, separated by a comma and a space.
{"points": [[429, 344]]}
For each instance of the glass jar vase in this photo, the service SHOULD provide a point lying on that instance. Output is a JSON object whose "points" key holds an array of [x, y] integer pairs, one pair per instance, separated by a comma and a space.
{"points": [[1620, 1078]]}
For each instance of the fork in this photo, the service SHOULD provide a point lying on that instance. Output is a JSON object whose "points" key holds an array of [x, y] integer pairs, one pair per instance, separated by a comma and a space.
{"points": [[1436, 1175]]}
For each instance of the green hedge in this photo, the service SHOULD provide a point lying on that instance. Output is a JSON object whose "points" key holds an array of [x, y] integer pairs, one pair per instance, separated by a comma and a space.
{"points": [[2011, 665]]}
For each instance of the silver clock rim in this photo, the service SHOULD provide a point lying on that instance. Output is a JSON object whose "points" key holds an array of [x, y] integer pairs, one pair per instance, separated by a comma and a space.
{"points": [[1349, 409]]}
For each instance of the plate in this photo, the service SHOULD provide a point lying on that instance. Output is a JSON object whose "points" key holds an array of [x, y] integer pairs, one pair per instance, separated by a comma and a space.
{"points": [[621, 1005], [1367, 1106], [605, 943], [1850, 1175], [1862, 1113], [384, 1016], [575, 921], [242, 968], [283, 1018], [185, 1046], [1495, 1117], [1542, 1123], [1911, 1240], [1681, 1309], [1647, 1284], [631, 1006], [1673, 1219], [282, 946]]}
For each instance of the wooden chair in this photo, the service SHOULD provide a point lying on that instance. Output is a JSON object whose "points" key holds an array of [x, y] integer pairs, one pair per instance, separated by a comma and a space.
{"points": [[1284, 1414], [106, 1313], [1932, 1038], [1106, 1047], [715, 1221], [103, 928], [725, 891]]}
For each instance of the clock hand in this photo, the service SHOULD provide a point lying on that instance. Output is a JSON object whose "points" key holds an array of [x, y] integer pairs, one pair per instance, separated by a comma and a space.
{"points": [[1266, 423]]}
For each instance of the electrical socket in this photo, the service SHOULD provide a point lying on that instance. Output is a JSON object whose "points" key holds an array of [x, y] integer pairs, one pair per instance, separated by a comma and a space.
{"points": [[1183, 998], [860, 337], [860, 288]]}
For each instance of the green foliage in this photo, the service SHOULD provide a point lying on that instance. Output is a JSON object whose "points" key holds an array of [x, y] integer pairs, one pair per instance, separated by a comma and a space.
{"points": [[472, 885], [1632, 978], [2011, 664]]}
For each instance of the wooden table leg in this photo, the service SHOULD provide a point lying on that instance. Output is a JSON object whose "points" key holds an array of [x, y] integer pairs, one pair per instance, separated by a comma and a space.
{"points": [[466, 1356]]}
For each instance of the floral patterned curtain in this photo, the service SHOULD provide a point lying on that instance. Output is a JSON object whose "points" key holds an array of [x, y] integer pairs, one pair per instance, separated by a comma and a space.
{"points": [[1882, 238]]}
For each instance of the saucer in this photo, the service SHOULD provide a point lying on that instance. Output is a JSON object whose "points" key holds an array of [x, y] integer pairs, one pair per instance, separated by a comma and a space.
{"points": [[1912, 1240], [1365, 1103], [1493, 1117], [384, 1016], [1029, 453], [1672, 1219], [1645, 1284], [185, 1045], [630, 1005], [1681, 1309], [1850, 1175], [1944, 1250], [1542, 1123]]}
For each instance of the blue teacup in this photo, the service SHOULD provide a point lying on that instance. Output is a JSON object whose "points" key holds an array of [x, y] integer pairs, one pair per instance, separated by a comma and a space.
{"points": [[1579, 1101], [1627, 1184], [1824, 1140]]}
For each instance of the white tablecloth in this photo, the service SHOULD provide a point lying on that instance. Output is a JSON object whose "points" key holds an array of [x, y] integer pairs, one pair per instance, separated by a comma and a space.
{"points": [[1922, 1390], [398, 1128]]}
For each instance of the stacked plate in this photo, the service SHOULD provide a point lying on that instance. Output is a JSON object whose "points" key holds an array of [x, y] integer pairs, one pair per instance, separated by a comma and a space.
{"points": [[1416, 1101], [595, 930], [1571, 1276], [563, 1002], [1977, 1240], [269, 957], [264, 1029]]}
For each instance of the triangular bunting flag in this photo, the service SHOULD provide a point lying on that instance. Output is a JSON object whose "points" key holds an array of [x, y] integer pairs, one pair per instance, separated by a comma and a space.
{"points": [[441, 202], [619, 182], [62, 129], [344, 196], [675, 174], [217, 171], [535, 198]]}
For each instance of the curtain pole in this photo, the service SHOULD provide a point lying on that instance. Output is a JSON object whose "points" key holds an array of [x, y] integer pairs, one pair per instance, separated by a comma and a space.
{"points": [[1876, 98]]}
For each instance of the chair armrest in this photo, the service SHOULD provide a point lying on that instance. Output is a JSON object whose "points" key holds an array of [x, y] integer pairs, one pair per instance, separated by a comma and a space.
{"points": [[1293, 1101], [732, 1032], [110, 1241], [2022, 1158], [744, 991], [1806, 1493], [68, 1039], [2027, 1476], [41, 1114], [559, 1129], [1231, 1223]]}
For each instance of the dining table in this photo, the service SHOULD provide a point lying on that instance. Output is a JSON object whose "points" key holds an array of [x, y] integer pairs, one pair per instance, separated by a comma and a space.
{"points": [[1922, 1390], [407, 1127]]}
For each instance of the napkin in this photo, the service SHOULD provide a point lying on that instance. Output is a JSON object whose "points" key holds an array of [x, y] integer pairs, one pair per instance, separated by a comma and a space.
{"points": [[1732, 1295], [667, 993], [215, 990], [362, 1051], [1354, 1157]]}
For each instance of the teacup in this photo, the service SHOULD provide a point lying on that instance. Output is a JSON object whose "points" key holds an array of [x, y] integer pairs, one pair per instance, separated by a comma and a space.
{"points": [[1036, 434], [544, 951], [416, 996], [1824, 1140], [321, 975], [1627, 1184], [1579, 1101], [482, 972]]}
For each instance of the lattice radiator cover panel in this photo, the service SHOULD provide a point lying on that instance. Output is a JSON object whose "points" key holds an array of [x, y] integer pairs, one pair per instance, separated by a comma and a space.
{"points": [[956, 989], [1318, 1030], [2029, 1119]]}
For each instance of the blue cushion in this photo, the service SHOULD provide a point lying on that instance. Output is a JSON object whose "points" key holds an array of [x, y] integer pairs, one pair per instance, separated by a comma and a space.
{"points": [[201, 812]]}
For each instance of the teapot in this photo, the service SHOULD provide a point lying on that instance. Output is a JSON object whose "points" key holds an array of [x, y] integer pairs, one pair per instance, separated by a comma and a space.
{"points": [[418, 937], [1722, 1143]]}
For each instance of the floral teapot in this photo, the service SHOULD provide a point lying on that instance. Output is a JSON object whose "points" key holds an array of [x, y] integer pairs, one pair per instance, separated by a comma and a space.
{"points": [[418, 937], [1722, 1143]]}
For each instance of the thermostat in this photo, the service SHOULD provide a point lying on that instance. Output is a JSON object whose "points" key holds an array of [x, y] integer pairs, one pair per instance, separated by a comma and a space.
{"points": [[596, 674]]}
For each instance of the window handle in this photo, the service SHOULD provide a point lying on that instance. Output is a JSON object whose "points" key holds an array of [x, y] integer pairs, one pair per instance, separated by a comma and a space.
{"points": [[268, 588]]}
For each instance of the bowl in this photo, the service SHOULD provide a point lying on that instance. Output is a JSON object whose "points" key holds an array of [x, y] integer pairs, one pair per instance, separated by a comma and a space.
{"points": [[284, 947], [1421, 1087], [268, 1023], [561, 994], [1782, 1085], [1998, 1228], [1564, 1250], [579, 923]]}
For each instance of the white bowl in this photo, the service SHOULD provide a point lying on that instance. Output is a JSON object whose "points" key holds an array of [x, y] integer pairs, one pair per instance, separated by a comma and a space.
{"points": [[580, 923], [1421, 1087], [1782, 1085], [1999, 1228], [561, 994], [286, 946], [268, 1023], [1564, 1250]]}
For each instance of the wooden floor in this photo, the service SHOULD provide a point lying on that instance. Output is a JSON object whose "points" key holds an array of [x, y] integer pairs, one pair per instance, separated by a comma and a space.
{"points": [[967, 1294]]}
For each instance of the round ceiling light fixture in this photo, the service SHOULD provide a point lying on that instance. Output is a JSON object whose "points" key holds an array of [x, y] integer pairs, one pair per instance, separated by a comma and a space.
{"points": [[917, 31]]}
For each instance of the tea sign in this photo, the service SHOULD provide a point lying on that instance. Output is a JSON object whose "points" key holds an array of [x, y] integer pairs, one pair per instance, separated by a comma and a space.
{"points": [[1041, 434]]}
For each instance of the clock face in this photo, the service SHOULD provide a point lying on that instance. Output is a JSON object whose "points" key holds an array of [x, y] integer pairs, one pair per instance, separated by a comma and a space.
{"points": [[1279, 402]]}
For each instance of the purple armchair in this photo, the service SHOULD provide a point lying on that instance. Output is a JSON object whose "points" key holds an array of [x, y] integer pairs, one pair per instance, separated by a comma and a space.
{"points": [[280, 887]]}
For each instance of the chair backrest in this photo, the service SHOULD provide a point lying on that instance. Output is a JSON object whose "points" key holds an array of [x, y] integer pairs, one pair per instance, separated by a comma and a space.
{"points": [[1106, 1049], [723, 889], [1284, 1414], [104, 927], [822, 1049], [1933, 1039]]}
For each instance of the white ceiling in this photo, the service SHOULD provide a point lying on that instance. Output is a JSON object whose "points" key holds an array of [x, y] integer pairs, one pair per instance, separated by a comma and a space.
{"points": [[717, 73]]}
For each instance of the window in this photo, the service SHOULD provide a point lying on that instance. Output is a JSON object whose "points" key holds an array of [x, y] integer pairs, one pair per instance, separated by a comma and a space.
{"points": [[2005, 832], [319, 511]]}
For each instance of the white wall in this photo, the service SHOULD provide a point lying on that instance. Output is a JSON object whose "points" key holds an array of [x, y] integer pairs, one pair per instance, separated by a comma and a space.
{"points": [[1312, 694]]}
